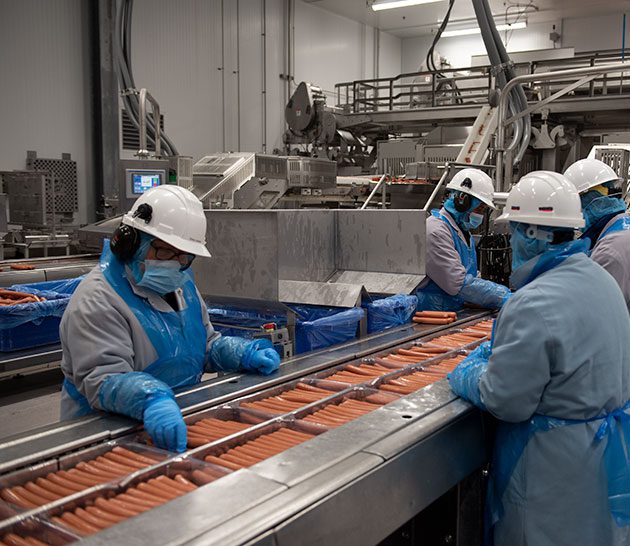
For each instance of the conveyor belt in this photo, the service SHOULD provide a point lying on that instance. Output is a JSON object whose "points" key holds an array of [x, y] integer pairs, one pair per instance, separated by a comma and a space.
{"points": [[338, 419], [47, 269]]}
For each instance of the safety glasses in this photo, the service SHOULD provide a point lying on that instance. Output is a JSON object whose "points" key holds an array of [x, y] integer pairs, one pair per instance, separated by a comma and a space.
{"points": [[168, 253]]}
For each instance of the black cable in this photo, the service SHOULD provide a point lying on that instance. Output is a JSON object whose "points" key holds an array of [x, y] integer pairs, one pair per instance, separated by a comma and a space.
{"points": [[430, 62]]}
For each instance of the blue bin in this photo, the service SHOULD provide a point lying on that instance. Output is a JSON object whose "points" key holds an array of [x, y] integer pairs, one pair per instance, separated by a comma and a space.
{"points": [[32, 324]]}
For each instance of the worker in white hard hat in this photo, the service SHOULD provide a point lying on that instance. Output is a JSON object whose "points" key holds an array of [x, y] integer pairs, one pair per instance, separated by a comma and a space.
{"points": [[137, 327], [557, 376], [451, 260], [607, 222]]}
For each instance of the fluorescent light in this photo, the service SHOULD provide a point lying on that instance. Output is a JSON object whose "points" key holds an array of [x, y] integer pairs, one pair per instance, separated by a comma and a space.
{"points": [[477, 30], [379, 5]]}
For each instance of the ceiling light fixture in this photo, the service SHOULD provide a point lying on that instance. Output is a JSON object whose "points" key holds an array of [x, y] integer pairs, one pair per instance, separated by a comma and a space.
{"points": [[477, 30], [379, 5]]}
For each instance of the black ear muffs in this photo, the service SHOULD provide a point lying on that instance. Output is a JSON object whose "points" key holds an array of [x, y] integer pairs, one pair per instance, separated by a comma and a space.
{"points": [[126, 239], [125, 242], [463, 201]]}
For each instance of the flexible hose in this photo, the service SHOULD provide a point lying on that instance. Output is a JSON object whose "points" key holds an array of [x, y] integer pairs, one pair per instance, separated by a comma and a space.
{"points": [[122, 47], [497, 54]]}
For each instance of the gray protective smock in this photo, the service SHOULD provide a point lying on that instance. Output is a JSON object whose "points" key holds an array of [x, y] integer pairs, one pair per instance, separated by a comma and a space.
{"points": [[612, 252], [561, 349], [444, 265], [101, 336]]}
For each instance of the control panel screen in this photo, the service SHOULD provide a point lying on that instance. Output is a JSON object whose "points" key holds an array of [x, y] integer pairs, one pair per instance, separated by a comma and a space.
{"points": [[142, 182]]}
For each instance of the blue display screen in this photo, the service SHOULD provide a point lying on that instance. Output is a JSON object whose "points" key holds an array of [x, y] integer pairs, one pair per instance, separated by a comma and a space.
{"points": [[145, 181]]}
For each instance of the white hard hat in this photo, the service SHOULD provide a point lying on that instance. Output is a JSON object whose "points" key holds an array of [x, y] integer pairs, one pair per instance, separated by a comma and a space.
{"points": [[176, 217], [544, 198], [588, 173], [474, 182]]}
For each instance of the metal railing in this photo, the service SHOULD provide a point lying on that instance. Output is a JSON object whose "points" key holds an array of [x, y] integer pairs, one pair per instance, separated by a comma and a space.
{"points": [[569, 81], [468, 86]]}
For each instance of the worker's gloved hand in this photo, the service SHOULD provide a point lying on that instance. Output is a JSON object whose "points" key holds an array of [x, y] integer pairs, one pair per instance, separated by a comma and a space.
{"points": [[260, 357], [164, 422], [484, 293], [464, 380], [482, 351]]}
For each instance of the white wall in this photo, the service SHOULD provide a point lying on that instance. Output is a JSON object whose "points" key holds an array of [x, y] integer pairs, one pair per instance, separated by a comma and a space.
{"points": [[584, 34], [595, 33], [203, 61], [44, 87], [330, 49]]}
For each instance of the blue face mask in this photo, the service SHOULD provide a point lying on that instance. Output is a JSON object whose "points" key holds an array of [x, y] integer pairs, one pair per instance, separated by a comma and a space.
{"points": [[473, 222], [525, 248], [162, 276], [466, 220], [596, 206]]}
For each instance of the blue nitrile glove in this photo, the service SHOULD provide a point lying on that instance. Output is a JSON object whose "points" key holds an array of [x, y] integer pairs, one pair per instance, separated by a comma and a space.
{"points": [[164, 422], [464, 380], [261, 360], [484, 293]]}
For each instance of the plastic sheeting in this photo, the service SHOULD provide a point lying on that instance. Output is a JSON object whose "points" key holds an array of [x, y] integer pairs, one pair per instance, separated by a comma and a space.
{"points": [[390, 312], [325, 326], [65, 286], [316, 327], [16, 315]]}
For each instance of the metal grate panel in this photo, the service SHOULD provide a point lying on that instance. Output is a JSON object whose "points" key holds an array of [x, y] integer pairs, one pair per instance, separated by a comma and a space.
{"points": [[61, 185]]}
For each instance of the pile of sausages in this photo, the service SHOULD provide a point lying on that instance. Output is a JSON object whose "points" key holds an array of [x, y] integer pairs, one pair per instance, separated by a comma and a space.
{"points": [[11, 539], [412, 382], [11, 297], [259, 449], [302, 395], [435, 317], [208, 430], [110, 466], [335, 415], [104, 512]]}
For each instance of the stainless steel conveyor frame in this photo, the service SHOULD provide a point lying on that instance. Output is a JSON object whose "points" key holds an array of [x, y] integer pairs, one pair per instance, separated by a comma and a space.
{"points": [[357, 483]]}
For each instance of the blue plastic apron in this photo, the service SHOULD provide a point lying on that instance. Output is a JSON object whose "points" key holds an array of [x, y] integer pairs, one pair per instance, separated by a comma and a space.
{"points": [[179, 337], [512, 439], [432, 297]]}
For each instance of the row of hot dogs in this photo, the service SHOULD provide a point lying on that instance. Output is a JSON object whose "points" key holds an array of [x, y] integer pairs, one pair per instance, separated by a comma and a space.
{"points": [[102, 512]]}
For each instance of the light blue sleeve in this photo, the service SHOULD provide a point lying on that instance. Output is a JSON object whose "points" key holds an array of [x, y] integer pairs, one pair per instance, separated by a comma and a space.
{"points": [[484, 293], [231, 354], [464, 380], [128, 393], [520, 367]]}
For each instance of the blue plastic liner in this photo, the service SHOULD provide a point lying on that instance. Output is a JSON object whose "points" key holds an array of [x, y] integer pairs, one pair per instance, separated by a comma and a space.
{"points": [[325, 327], [32, 324], [389, 312], [316, 327], [64, 286], [241, 317]]}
